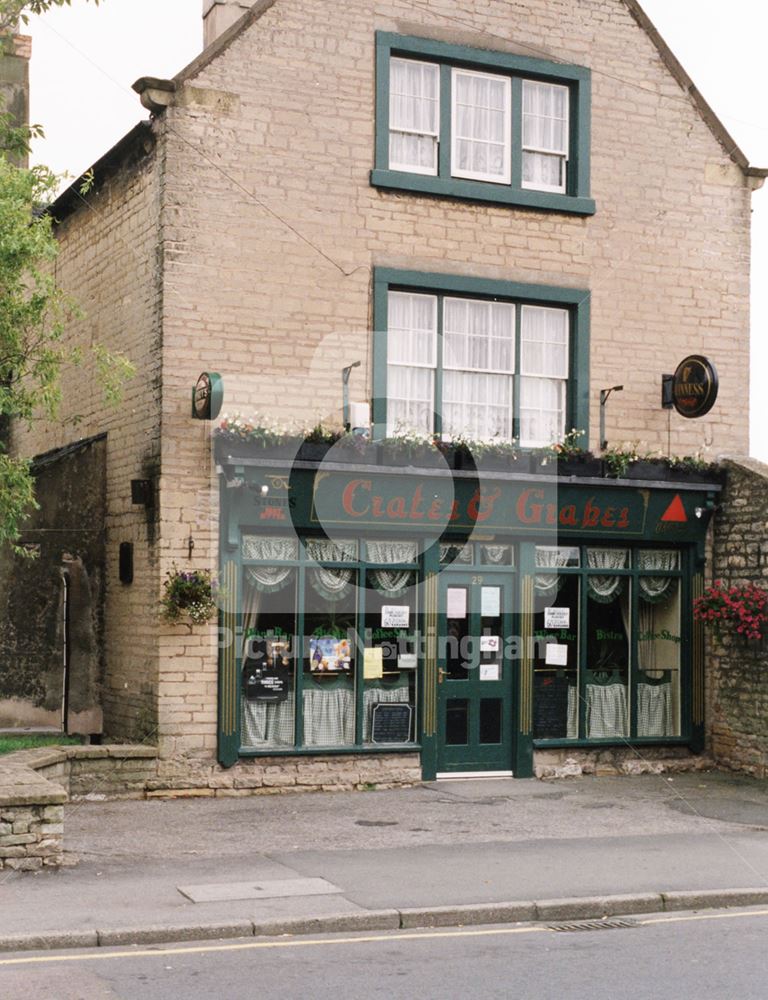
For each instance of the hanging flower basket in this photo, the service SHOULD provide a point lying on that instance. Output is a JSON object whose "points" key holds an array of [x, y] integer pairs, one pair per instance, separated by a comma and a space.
{"points": [[189, 595], [742, 609]]}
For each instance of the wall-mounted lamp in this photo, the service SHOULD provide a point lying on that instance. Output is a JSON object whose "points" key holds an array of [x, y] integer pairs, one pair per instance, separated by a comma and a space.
{"points": [[264, 489], [142, 492], [604, 394], [345, 373], [699, 512]]}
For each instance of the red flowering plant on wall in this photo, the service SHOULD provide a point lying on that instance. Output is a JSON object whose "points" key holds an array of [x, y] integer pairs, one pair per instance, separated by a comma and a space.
{"points": [[746, 608]]}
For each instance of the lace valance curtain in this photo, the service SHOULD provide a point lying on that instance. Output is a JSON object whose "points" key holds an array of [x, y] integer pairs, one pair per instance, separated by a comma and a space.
{"points": [[551, 556], [269, 548], [606, 588], [654, 589], [392, 582], [450, 553], [332, 584]]}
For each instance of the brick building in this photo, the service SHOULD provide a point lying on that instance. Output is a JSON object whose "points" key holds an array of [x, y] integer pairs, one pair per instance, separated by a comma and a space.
{"points": [[498, 211]]}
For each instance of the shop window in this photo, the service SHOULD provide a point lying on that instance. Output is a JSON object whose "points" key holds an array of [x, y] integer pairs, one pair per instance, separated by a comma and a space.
{"points": [[659, 647], [486, 126], [330, 648], [607, 629], [478, 359]]}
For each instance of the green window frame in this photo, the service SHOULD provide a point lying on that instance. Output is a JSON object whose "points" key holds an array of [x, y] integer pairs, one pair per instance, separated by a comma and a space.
{"points": [[575, 200], [631, 575], [302, 564], [577, 301]]}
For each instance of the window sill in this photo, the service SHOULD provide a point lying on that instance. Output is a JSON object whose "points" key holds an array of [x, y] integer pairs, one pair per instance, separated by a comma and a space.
{"points": [[334, 751], [496, 194], [601, 744]]}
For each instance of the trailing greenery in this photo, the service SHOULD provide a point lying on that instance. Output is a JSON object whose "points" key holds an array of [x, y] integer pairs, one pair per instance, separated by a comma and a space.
{"points": [[34, 310]]}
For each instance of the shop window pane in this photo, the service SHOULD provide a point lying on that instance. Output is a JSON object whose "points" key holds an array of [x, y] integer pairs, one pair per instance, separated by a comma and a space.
{"points": [[269, 628], [330, 656], [457, 722], [456, 643], [607, 677], [461, 555], [390, 647], [497, 555], [658, 653], [490, 720], [556, 657], [658, 559], [270, 548]]}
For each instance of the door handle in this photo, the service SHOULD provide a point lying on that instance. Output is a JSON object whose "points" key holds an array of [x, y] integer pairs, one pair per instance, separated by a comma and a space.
{"points": [[441, 675]]}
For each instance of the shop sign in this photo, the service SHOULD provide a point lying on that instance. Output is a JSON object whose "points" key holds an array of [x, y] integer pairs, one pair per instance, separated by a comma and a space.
{"points": [[207, 396], [694, 386]]}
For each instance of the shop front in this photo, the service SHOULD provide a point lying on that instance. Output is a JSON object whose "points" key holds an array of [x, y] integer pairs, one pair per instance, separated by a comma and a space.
{"points": [[469, 617]]}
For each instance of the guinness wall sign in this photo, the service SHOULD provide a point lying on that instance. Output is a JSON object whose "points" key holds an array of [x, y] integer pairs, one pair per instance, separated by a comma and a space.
{"points": [[694, 386], [207, 396]]}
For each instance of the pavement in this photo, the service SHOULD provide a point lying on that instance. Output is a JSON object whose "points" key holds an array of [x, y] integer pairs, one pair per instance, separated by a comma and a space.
{"points": [[443, 854]]}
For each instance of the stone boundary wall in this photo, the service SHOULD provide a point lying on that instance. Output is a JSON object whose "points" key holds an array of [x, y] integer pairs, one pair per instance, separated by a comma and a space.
{"points": [[31, 820], [738, 668]]}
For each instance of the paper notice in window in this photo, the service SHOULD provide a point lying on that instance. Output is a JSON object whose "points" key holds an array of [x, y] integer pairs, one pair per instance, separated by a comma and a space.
{"points": [[557, 617], [373, 664], [395, 615], [490, 602], [489, 644], [556, 655], [456, 602]]}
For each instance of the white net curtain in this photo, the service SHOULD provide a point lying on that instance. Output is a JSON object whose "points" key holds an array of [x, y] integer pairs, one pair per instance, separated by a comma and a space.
{"points": [[414, 115], [482, 112], [553, 557], [545, 135], [411, 360], [544, 365], [606, 588], [332, 583], [392, 582]]}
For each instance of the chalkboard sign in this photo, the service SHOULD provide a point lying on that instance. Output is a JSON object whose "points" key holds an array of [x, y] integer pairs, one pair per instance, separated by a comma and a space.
{"points": [[550, 705], [391, 723]]}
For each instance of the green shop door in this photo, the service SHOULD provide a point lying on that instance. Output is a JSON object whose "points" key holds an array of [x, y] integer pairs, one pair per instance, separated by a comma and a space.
{"points": [[475, 682]]}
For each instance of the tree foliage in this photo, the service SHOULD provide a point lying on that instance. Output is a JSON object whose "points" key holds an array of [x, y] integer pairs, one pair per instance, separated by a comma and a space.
{"points": [[33, 308]]}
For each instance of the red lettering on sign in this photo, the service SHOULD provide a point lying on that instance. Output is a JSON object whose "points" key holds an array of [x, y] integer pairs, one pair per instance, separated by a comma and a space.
{"points": [[396, 507], [591, 515], [378, 506], [481, 505], [568, 516], [623, 521], [435, 509], [416, 512], [348, 497], [527, 512], [607, 520]]}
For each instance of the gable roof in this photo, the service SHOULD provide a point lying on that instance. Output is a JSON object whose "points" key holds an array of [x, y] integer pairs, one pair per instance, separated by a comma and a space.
{"points": [[260, 7], [716, 127]]}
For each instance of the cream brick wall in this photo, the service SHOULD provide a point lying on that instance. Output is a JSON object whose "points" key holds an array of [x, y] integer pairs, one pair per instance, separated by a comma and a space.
{"points": [[110, 265], [268, 231], [281, 159]]}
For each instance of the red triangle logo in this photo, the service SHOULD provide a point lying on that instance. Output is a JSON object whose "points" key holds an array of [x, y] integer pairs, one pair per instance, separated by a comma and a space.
{"points": [[675, 511]]}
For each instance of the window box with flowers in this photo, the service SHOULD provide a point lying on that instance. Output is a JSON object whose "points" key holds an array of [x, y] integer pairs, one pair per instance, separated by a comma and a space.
{"points": [[743, 610], [190, 595]]}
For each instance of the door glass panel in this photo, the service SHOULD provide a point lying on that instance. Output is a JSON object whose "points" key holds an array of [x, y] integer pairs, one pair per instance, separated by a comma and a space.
{"points": [[556, 657], [457, 722], [496, 555], [457, 650], [490, 720], [658, 656], [491, 639], [607, 679]]}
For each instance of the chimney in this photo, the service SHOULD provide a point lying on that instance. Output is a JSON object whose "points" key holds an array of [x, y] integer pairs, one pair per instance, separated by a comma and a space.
{"points": [[218, 15], [14, 83]]}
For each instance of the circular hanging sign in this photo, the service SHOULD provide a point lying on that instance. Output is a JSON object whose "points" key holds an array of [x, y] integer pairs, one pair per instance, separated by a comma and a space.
{"points": [[207, 396], [694, 386]]}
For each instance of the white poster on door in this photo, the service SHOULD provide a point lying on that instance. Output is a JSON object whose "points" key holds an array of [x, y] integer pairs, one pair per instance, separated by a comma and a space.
{"points": [[489, 672], [456, 602], [490, 602], [489, 644]]}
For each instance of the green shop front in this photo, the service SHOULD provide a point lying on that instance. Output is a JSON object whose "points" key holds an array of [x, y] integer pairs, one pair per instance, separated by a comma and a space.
{"points": [[471, 616]]}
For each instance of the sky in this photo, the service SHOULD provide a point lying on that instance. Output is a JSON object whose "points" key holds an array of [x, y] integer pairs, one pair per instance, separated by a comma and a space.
{"points": [[85, 60]]}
